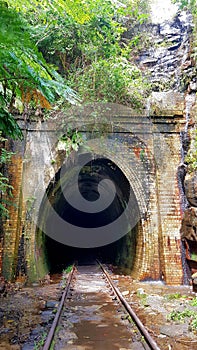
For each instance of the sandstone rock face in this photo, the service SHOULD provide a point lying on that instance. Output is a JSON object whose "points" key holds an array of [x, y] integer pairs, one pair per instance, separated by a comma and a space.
{"points": [[189, 224], [167, 58], [191, 188]]}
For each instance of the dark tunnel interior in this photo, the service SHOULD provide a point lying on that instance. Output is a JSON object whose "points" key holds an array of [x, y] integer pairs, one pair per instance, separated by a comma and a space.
{"points": [[61, 256], [120, 252]]}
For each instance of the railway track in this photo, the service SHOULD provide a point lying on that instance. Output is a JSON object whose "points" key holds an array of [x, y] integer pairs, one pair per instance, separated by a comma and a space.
{"points": [[93, 314]]}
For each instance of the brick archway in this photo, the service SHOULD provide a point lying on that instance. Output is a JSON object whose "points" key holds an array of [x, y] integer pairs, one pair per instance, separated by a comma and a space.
{"points": [[132, 142]]}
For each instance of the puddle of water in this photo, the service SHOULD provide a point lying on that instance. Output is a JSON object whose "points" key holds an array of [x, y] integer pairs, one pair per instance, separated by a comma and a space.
{"points": [[95, 320], [97, 324]]}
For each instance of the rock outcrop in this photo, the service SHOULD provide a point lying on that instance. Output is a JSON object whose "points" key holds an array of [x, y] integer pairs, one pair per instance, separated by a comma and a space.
{"points": [[167, 56], [191, 188], [189, 224]]}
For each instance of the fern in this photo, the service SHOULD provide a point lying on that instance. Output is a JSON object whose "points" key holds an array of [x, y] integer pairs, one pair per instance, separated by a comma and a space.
{"points": [[23, 69]]}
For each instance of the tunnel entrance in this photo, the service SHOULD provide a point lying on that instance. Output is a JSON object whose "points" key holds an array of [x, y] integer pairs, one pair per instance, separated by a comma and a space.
{"points": [[120, 252]]}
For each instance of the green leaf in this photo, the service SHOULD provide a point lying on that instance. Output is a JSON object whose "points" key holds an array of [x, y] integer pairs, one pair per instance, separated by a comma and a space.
{"points": [[9, 126]]}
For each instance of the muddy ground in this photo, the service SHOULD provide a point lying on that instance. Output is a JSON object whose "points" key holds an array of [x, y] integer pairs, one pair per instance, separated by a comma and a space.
{"points": [[168, 312], [27, 312]]}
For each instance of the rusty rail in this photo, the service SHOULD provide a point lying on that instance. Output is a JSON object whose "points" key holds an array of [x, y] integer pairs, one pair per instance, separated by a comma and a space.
{"points": [[51, 333], [150, 341]]}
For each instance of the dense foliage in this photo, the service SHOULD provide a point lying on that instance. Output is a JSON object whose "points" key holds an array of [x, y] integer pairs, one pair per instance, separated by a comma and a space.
{"points": [[186, 4], [84, 39], [5, 187], [25, 76]]}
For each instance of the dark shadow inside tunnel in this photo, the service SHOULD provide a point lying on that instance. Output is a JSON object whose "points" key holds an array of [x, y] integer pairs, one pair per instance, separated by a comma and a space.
{"points": [[120, 253], [121, 250]]}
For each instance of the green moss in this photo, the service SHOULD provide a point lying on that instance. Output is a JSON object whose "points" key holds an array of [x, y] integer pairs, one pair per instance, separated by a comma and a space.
{"points": [[32, 272], [173, 296], [126, 251], [191, 158], [37, 269], [194, 256], [37, 260], [7, 270]]}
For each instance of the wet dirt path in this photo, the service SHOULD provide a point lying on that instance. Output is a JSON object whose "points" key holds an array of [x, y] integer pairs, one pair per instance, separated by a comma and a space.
{"points": [[91, 318], [26, 315]]}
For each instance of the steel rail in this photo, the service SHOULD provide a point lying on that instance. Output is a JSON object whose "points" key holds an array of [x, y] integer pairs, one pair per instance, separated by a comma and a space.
{"points": [[51, 333], [150, 341]]}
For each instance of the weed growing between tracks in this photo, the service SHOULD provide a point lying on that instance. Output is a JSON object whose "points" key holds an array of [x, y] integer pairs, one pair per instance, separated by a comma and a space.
{"points": [[39, 344]]}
